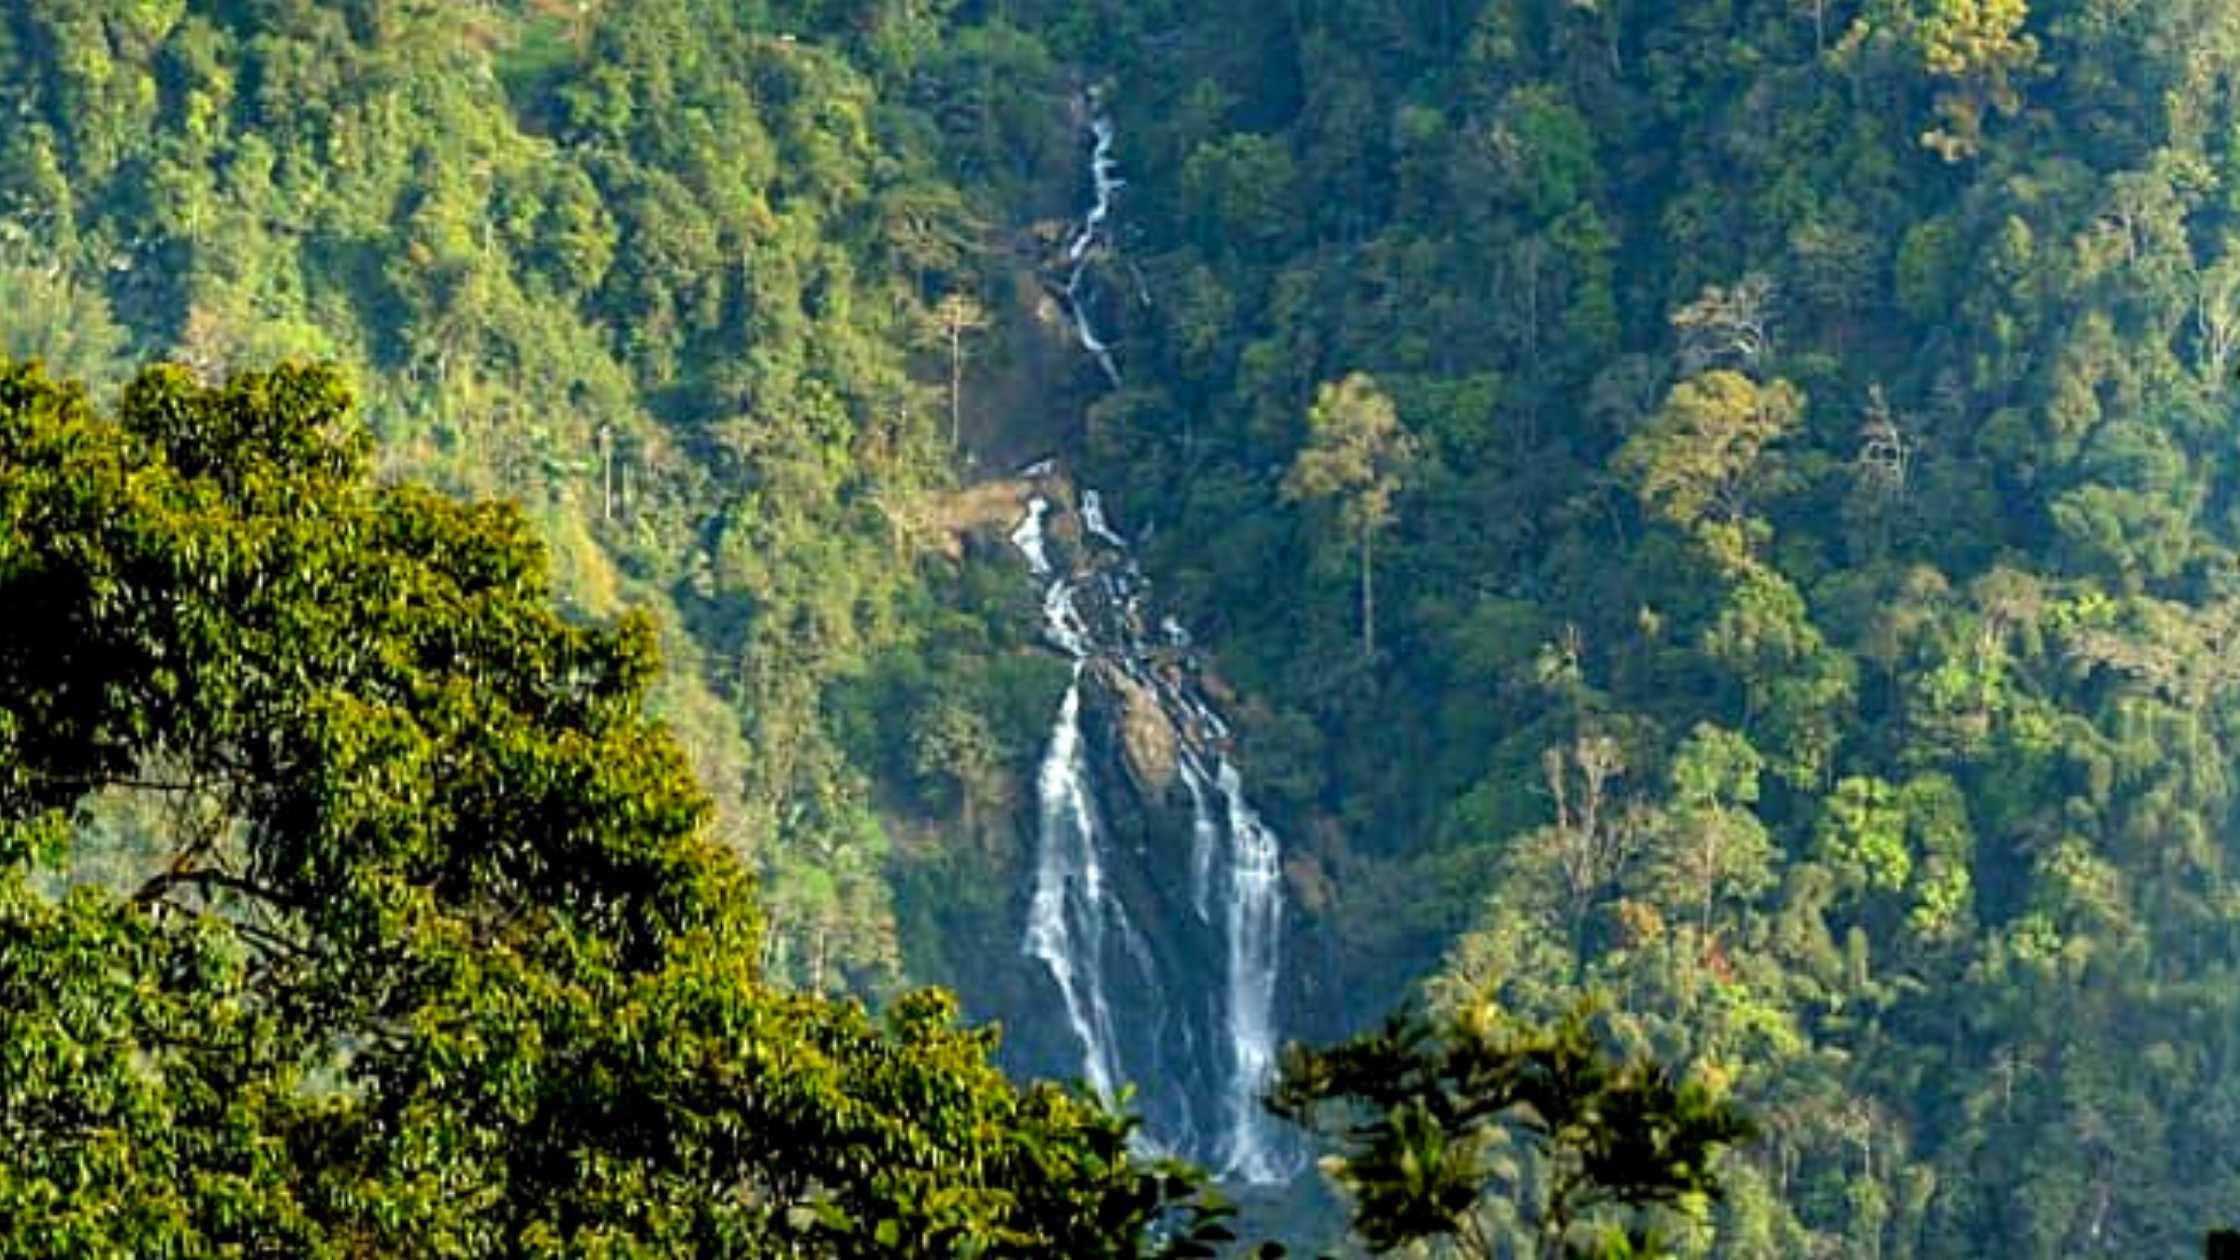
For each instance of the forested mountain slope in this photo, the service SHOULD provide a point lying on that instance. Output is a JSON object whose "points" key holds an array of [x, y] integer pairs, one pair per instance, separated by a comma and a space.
{"points": [[659, 269], [1810, 615], [1796, 593]]}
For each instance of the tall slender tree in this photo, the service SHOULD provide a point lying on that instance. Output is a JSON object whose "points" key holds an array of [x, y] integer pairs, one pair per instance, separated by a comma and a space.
{"points": [[1357, 454]]}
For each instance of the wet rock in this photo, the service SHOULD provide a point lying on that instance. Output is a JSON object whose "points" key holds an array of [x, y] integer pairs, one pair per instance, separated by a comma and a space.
{"points": [[1149, 745]]}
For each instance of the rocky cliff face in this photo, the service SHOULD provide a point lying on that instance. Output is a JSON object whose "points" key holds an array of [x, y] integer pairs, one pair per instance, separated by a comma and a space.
{"points": [[1153, 902], [1150, 839]]}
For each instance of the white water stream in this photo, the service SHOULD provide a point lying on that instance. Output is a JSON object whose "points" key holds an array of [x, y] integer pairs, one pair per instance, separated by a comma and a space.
{"points": [[1078, 924], [1104, 175], [1254, 900]]}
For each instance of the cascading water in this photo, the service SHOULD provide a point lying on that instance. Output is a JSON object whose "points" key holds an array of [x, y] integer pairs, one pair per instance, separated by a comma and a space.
{"points": [[1179, 1040], [1078, 924], [1255, 923], [1104, 175], [1072, 913]]}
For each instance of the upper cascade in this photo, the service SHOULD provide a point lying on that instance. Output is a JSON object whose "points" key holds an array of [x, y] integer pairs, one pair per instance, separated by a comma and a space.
{"points": [[1094, 234]]}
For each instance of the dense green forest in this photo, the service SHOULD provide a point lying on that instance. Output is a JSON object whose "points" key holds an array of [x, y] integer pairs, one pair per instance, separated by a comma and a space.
{"points": [[1725, 506], [418, 942]]}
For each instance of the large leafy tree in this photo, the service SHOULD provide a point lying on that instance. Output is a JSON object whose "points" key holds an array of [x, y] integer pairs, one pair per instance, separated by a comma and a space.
{"points": [[426, 952], [1699, 459]]}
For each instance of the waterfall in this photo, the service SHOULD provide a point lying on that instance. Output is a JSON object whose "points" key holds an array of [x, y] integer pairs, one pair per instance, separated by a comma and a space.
{"points": [[1078, 922], [1092, 520], [1079, 926], [1071, 913], [1205, 834], [1104, 177], [1255, 923], [1028, 537]]}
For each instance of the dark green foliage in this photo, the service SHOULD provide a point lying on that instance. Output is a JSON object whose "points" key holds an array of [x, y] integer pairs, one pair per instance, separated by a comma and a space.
{"points": [[459, 970], [1429, 1118]]}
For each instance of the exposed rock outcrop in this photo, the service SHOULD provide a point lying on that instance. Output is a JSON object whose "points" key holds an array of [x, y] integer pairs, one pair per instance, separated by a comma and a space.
{"points": [[1149, 744]]}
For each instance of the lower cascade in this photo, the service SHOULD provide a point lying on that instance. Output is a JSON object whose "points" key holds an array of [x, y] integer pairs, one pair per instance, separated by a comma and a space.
{"points": [[1197, 1051]]}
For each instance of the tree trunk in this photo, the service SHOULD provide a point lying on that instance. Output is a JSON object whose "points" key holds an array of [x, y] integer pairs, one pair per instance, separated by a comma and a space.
{"points": [[956, 382], [1712, 836], [816, 959], [1368, 600], [606, 476]]}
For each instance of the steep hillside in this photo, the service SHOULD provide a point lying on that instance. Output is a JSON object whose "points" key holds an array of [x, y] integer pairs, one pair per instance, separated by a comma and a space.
{"points": [[1802, 568], [672, 273]]}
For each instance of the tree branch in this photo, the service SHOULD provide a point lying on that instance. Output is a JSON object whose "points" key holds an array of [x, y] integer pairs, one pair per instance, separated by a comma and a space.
{"points": [[90, 782], [206, 879]]}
